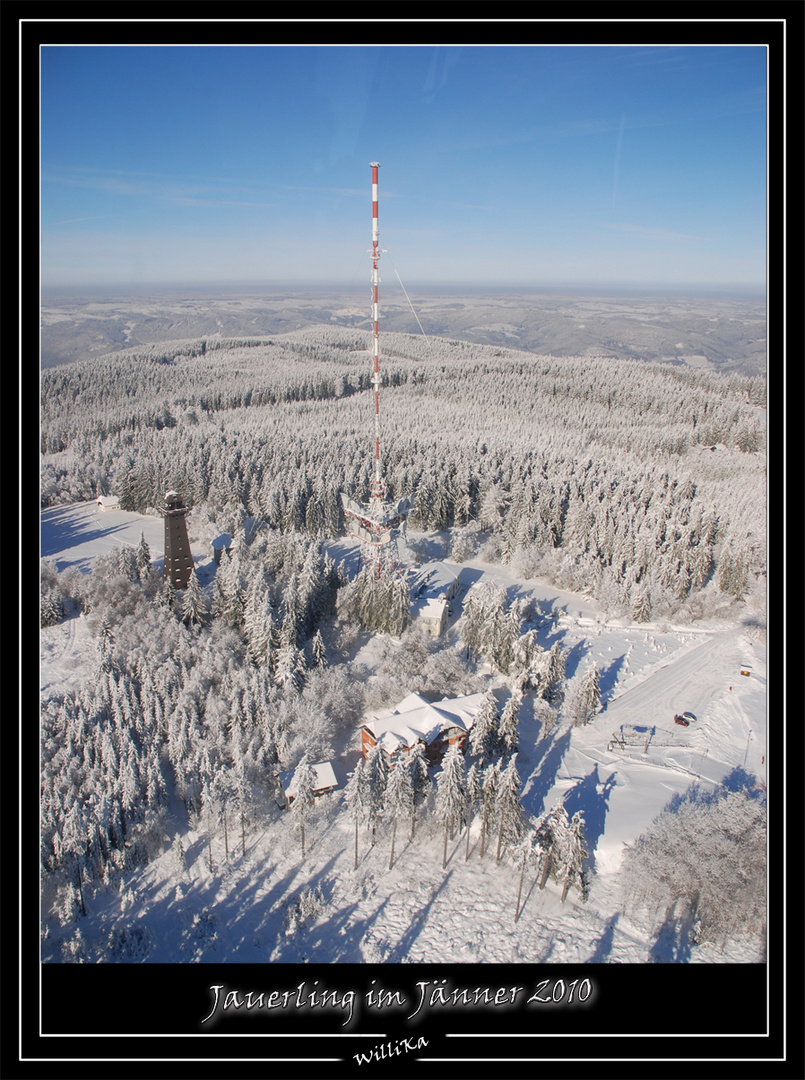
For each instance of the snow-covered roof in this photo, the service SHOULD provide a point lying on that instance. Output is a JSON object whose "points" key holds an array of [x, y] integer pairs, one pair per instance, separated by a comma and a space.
{"points": [[401, 736], [109, 500], [325, 778], [412, 701], [414, 718], [436, 580], [423, 723], [465, 707], [429, 609]]}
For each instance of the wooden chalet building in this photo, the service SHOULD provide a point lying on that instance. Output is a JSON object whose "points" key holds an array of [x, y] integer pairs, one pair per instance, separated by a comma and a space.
{"points": [[436, 725]]}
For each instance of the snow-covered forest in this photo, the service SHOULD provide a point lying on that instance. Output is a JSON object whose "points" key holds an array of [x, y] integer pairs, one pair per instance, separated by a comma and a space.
{"points": [[637, 481], [639, 487]]}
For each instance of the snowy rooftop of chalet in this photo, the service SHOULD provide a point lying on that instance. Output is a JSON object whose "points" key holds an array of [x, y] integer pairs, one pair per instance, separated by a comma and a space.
{"points": [[415, 718]]}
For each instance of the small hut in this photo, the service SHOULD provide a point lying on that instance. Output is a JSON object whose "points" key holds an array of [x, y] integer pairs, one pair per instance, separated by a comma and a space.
{"points": [[325, 781]]}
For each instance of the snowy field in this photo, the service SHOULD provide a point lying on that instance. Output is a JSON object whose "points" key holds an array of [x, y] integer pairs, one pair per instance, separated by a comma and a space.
{"points": [[244, 909]]}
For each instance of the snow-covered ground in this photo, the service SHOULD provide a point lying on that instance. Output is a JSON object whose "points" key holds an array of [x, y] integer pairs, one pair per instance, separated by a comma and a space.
{"points": [[418, 912]]}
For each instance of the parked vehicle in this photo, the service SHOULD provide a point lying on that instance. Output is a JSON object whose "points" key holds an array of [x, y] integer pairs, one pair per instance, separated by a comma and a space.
{"points": [[681, 720], [688, 716]]}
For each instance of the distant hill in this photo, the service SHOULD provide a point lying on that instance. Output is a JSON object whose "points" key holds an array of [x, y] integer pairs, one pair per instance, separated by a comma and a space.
{"points": [[726, 334]]}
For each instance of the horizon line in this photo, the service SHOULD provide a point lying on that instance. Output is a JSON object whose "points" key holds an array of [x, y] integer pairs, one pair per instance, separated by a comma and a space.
{"points": [[437, 288]]}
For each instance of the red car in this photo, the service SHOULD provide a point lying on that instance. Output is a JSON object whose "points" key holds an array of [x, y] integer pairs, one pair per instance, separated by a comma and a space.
{"points": [[681, 720]]}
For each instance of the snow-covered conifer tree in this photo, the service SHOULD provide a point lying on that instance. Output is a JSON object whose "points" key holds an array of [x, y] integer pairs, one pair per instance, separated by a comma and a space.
{"points": [[240, 791], [318, 651], [51, 608], [545, 716], [143, 555], [376, 780], [575, 853], [399, 606], [580, 695], [105, 646], [472, 621], [166, 595], [260, 631], [451, 795], [554, 672], [591, 692], [420, 780], [507, 728], [506, 632], [507, 806], [289, 662], [399, 797], [229, 598], [552, 836], [210, 812], [127, 564], [355, 796], [473, 785], [641, 605], [489, 790], [179, 860], [292, 610], [527, 667], [302, 804], [526, 856], [484, 731], [194, 602]]}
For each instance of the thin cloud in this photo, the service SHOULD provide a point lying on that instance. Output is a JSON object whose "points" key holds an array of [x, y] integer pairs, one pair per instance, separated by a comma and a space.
{"points": [[201, 191], [74, 220], [339, 191], [648, 230]]}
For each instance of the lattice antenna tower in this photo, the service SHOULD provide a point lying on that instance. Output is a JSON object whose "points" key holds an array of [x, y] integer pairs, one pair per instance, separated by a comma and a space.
{"points": [[379, 525]]}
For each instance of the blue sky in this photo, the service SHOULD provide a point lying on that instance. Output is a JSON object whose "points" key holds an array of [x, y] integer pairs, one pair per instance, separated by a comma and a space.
{"points": [[534, 166]]}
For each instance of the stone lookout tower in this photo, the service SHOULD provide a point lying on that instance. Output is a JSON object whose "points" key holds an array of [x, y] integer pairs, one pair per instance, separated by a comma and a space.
{"points": [[178, 564]]}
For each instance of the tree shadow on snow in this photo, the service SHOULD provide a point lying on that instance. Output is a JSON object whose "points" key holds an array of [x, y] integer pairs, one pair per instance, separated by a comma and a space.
{"points": [[574, 657], [332, 936], [61, 529], [737, 780], [591, 797], [543, 778], [673, 944], [402, 950], [608, 677], [604, 944]]}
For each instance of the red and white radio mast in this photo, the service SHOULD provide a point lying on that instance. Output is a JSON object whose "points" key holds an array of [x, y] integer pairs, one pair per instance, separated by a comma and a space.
{"points": [[378, 491], [380, 525]]}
